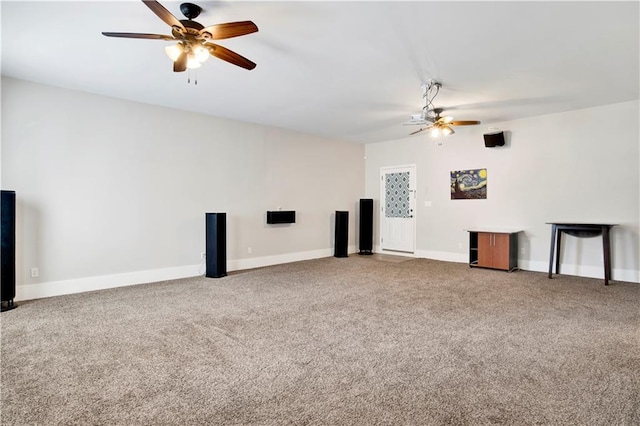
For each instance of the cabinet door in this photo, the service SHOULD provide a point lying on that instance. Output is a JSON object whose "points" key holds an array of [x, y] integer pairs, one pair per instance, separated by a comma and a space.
{"points": [[501, 251], [485, 249]]}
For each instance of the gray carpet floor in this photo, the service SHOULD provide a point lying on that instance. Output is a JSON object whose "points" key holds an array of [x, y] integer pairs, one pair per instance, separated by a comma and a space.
{"points": [[358, 341]]}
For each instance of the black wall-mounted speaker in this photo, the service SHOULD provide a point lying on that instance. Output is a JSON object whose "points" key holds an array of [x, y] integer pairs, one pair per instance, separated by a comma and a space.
{"points": [[342, 234], [275, 217], [366, 226], [216, 244], [492, 140], [7, 249]]}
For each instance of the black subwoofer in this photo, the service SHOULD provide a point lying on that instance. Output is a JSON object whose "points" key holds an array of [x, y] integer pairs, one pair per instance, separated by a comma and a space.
{"points": [[342, 234], [216, 244], [8, 249], [366, 226]]}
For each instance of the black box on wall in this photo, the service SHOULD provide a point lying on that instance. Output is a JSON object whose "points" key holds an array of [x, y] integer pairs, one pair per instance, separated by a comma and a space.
{"points": [[274, 217], [492, 140]]}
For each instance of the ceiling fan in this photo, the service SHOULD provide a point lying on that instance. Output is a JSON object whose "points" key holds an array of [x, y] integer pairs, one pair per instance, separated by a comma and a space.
{"points": [[430, 117], [194, 39]]}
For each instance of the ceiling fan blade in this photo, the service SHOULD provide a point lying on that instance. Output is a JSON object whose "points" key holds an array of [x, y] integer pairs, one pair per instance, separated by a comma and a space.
{"points": [[420, 130], [140, 35], [464, 123], [180, 64], [228, 30], [164, 14], [229, 56]]}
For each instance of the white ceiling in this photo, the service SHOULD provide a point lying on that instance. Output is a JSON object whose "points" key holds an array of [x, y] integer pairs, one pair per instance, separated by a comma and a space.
{"points": [[349, 70]]}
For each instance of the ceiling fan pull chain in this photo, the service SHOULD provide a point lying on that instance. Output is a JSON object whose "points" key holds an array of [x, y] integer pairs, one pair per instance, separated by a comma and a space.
{"points": [[195, 77]]}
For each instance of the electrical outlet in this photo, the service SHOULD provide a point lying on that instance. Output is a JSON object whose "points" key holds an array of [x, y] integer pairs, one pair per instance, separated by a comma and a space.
{"points": [[249, 250], [35, 273], [459, 246], [203, 255], [522, 250]]}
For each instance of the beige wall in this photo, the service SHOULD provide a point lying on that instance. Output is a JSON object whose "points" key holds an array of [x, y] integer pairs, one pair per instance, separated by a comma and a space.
{"points": [[580, 165], [112, 192]]}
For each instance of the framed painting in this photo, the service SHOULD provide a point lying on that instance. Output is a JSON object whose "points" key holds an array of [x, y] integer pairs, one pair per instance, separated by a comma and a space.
{"points": [[469, 184]]}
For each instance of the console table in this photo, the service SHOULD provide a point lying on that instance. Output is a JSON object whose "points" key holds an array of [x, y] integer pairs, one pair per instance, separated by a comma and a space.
{"points": [[581, 230]]}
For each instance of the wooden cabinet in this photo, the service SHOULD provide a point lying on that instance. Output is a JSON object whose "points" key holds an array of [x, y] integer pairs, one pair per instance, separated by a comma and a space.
{"points": [[493, 249]]}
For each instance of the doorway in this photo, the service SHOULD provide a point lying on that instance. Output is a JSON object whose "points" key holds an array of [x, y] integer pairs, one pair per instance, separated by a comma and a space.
{"points": [[397, 208]]}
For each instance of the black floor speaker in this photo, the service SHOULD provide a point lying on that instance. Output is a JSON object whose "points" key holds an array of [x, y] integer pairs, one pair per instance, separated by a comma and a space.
{"points": [[366, 226], [342, 234], [216, 244], [8, 249]]}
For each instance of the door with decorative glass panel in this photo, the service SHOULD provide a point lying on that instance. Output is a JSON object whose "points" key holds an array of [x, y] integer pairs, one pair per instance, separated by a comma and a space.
{"points": [[397, 215]]}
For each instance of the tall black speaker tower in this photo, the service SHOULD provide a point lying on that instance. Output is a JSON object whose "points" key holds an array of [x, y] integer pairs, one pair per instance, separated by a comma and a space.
{"points": [[8, 249], [216, 244], [366, 226], [342, 234]]}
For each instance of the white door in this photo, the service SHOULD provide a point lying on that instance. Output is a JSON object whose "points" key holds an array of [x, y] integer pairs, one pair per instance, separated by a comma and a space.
{"points": [[397, 216]]}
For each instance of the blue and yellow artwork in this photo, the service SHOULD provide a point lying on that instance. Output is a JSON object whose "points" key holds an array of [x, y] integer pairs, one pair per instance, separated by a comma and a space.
{"points": [[469, 184]]}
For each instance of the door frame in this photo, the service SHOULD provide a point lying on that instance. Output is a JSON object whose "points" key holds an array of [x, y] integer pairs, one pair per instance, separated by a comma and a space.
{"points": [[414, 179]]}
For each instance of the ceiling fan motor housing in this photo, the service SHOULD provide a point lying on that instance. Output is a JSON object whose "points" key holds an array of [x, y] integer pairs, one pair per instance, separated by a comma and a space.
{"points": [[188, 24], [190, 10]]}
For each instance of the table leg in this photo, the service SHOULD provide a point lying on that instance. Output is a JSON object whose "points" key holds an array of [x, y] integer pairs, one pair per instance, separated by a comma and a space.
{"points": [[606, 246], [559, 241], [553, 237]]}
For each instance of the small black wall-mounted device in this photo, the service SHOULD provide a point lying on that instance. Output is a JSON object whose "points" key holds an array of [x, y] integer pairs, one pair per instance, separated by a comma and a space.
{"points": [[494, 139], [274, 217]]}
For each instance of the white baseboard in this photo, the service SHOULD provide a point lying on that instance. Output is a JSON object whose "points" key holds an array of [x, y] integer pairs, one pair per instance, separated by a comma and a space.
{"points": [[379, 249], [258, 262], [60, 288], [79, 285], [444, 256], [587, 271]]}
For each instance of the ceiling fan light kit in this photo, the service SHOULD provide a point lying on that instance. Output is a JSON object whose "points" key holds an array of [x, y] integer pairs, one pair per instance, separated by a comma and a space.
{"points": [[443, 130], [430, 117], [193, 39], [196, 55]]}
